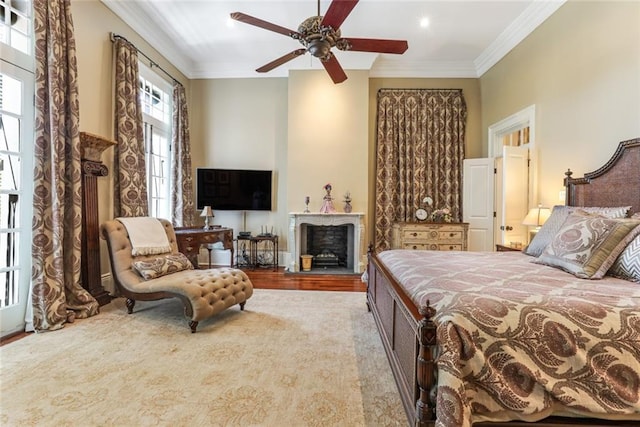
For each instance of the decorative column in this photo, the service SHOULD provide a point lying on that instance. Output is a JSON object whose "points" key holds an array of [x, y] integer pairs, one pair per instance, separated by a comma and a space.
{"points": [[92, 147]]}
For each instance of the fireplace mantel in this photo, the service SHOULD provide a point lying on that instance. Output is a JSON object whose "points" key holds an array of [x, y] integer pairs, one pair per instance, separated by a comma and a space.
{"points": [[297, 219]]}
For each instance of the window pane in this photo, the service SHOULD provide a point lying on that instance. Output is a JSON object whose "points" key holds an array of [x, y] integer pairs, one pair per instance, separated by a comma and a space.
{"points": [[9, 133], [15, 28], [11, 95], [9, 172], [9, 250], [8, 288], [9, 211]]}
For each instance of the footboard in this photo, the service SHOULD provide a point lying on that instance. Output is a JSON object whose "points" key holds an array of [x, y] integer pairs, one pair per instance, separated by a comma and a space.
{"points": [[409, 337]]}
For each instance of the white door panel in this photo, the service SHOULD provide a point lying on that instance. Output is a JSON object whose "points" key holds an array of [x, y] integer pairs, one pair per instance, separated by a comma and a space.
{"points": [[478, 203], [515, 190]]}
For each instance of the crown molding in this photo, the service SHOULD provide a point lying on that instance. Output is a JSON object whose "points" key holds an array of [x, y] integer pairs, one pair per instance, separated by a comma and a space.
{"points": [[135, 17], [534, 15], [423, 69]]}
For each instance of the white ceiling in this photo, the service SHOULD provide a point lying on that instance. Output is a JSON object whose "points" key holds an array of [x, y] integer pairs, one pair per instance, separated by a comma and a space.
{"points": [[463, 39]]}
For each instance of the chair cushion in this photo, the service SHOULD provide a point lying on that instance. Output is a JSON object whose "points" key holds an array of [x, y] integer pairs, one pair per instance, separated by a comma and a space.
{"points": [[151, 268]]}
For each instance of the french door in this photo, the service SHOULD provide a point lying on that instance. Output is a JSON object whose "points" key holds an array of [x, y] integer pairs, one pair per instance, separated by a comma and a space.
{"points": [[16, 193]]}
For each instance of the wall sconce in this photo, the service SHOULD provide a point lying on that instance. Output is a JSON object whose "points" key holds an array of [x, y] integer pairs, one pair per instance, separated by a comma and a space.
{"points": [[207, 213], [536, 218]]}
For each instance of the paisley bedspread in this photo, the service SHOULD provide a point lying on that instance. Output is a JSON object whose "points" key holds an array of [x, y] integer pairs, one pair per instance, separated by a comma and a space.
{"points": [[519, 340]]}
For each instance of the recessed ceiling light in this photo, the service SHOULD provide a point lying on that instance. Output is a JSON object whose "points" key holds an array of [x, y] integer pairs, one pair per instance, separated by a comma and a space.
{"points": [[424, 22]]}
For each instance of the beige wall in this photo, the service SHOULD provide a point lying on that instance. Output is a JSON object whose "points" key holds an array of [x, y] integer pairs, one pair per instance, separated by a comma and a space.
{"points": [[327, 140], [304, 128], [581, 69], [242, 124], [93, 23]]}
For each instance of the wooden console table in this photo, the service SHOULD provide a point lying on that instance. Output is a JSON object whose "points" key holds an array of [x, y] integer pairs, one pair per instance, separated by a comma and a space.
{"points": [[190, 239]]}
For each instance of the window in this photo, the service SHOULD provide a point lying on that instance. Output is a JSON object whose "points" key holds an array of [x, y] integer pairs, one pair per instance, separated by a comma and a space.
{"points": [[16, 161], [156, 97], [15, 25]]}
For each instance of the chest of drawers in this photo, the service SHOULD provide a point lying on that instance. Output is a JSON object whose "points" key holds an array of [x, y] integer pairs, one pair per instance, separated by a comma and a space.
{"points": [[432, 236]]}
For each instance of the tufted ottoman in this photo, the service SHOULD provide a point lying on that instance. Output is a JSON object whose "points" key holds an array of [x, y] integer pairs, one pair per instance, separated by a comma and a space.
{"points": [[204, 293]]}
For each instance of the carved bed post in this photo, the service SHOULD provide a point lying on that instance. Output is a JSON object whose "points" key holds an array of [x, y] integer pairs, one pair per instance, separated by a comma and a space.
{"points": [[425, 405], [568, 188]]}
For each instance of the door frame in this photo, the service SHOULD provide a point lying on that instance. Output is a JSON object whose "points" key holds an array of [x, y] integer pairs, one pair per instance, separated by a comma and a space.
{"points": [[521, 119], [13, 316]]}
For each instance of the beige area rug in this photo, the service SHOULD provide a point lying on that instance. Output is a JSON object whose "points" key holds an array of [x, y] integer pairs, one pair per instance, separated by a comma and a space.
{"points": [[292, 358]]}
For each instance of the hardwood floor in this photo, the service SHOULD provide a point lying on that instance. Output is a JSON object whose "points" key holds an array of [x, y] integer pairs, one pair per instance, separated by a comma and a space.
{"points": [[266, 278]]}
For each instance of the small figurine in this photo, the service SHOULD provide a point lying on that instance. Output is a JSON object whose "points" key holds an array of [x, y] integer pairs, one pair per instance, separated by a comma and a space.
{"points": [[327, 201], [347, 202]]}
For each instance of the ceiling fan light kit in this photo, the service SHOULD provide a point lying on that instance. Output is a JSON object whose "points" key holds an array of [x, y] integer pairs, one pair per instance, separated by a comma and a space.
{"points": [[319, 34]]}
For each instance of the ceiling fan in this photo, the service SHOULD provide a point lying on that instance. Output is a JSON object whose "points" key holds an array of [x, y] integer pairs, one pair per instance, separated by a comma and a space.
{"points": [[318, 34]]}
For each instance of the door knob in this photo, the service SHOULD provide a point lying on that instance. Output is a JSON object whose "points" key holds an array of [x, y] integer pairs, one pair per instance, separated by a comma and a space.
{"points": [[509, 228]]}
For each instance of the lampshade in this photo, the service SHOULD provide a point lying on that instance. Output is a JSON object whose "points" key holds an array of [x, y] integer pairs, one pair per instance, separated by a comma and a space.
{"points": [[207, 212], [537, 216]]}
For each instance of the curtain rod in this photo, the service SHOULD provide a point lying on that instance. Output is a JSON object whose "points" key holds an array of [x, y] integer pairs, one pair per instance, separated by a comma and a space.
{"points": [[151, 61]]}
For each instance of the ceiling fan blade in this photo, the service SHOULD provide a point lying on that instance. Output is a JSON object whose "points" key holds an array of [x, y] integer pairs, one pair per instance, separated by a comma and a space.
{"points": [[334, 69], [375, 45], [285, 58], [239, 16], [337, 12]]}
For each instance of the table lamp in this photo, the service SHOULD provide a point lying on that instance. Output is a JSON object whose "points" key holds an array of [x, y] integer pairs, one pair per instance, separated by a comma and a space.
{"points": [[536, 218], [207, 213]]}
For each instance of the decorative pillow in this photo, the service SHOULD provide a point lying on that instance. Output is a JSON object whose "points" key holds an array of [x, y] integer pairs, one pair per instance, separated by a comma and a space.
{"points": [[627, 266], [587, 245], [558, 215], [162, 265]]}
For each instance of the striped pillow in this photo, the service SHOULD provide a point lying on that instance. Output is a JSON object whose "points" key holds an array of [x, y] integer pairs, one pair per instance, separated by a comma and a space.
{"points": [[627, 266]]}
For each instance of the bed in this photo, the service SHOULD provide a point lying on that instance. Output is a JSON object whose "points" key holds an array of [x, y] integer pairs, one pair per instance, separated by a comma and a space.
{"points": [[485, 337]]}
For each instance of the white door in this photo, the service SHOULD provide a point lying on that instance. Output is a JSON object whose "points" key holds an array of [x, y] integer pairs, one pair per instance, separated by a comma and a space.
{"points": [[478, 185], [512, 195], [16, 189]]}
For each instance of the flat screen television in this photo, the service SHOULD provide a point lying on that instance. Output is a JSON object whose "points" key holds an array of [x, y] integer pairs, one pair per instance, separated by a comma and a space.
{"points": [[234, 189]]}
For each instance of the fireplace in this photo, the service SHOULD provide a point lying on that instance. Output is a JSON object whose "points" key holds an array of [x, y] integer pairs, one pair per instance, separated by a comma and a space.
{"points": [[336, 241]]}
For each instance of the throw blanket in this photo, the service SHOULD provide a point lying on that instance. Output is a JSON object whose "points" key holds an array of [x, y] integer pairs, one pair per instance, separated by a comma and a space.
{"points": [[147, 235], [518, 339]]}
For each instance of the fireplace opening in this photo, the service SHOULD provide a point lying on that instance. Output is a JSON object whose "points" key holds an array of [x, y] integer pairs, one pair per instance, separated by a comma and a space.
{"points": [[330, 245]]}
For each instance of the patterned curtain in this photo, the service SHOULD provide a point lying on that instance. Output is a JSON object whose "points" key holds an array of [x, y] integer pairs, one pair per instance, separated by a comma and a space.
{"points": [[182, 192], [130, 172], [420, 149], [57, 296]]}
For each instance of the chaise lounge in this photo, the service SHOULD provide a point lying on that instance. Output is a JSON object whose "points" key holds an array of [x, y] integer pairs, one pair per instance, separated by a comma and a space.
{"points": [[204, 293]]}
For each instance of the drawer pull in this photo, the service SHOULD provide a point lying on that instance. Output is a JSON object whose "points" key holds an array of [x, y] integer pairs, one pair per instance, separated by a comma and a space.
{"points": [[414, 234], [415, 247], [452, 234]]}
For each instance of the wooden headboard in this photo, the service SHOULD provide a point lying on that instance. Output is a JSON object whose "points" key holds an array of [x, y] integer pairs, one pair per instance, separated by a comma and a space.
{"points": [[617, 183]]}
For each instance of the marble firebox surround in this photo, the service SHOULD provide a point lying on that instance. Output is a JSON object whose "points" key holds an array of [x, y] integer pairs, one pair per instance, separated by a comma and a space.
{"points": [[355, 238]]}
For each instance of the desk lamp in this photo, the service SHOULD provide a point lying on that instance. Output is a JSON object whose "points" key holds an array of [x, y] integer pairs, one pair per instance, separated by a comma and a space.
{"points": [[536, 218], [207, 213]]}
